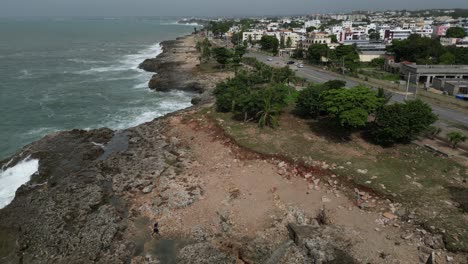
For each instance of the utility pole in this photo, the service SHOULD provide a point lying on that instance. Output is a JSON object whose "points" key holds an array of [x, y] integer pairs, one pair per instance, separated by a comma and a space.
{"points": [[407, 85]]}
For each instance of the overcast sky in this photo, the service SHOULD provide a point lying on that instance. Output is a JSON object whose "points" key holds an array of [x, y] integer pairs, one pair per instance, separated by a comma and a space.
{"points": [[207, 7]]}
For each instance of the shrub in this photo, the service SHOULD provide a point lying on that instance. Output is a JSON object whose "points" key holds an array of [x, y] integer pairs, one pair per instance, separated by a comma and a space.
{"points": [[262, 104], [351, 107], [456, 138], [402, 123], [309, 103]]}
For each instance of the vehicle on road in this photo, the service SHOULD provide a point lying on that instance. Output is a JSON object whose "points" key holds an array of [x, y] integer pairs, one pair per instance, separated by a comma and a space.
{"points": [[300, 66], [291, 62], [269, 59]]}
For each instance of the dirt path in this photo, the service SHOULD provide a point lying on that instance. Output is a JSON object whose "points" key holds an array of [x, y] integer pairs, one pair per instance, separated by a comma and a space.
{"points": [[243, 195]]}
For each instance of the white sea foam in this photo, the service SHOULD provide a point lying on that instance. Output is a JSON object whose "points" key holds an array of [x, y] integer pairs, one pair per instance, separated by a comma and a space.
{"points": [[128, 62], [12, 178]]}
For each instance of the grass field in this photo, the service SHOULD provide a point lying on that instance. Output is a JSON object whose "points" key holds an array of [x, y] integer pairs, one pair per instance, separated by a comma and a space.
{"points": [[434, 188]]}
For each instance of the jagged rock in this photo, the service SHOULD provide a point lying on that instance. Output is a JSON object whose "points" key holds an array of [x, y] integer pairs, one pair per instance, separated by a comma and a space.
{"points": [[321, 244], [203, 253]]}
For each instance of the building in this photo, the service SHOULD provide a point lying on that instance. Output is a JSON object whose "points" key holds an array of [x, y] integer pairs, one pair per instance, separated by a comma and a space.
{"points": [[439, 31], [448, 41], [255, 35], [312, 23], [451, 86], [317, 38], [397, 33], [427, 73], [425, 31]]}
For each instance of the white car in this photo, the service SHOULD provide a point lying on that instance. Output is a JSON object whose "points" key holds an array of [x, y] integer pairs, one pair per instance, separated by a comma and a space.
{"points": [[300, 66], [269, 59]]}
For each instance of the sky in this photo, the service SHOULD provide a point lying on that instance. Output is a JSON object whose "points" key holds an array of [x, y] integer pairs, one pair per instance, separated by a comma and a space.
{"points": [[207, 7]]}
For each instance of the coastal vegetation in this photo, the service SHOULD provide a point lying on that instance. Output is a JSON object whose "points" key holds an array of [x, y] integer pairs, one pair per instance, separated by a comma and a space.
{"points": [[259, 94]]}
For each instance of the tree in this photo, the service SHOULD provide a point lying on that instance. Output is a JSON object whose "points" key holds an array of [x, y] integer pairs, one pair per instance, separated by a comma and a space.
{"points": [[283, 75], [269, 43], [309, 102], [416, 48], [374, 36], [377, 62], [386, 96], [351, 107], [348, 54], [333, 38], [222, 55], [236, 38], [289, 42], [455, 32], [299, 52], [402, 122], [455, 138], [447, 58], [204, 48], [316, 52], [334, 84], [311, 29]]}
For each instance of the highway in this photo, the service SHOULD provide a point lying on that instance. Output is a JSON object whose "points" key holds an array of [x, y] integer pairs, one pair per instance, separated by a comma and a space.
{"points": [[320, 76]]}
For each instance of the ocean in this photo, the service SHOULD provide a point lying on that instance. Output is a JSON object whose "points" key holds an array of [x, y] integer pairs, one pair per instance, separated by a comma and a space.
{"points": [[62, 73]]}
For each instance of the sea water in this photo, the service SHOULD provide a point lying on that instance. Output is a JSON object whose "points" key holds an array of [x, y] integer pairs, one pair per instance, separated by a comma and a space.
{"points": [[64, 73]]}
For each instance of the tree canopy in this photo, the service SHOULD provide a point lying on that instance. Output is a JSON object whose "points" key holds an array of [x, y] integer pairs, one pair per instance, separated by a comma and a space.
{"points": [[402, 122], [269, 43], [316, 52], [455, 32], [351, 107]]}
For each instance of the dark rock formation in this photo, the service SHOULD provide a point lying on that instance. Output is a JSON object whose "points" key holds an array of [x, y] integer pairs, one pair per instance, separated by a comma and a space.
{"points": [[170, 73], [77, 208]]}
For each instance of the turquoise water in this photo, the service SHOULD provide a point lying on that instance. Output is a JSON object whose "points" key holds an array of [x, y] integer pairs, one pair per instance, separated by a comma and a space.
{"points": [[60, 74]]}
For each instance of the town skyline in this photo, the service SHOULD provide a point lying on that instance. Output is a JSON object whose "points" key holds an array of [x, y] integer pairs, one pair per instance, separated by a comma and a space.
{"points": [[28, 8]]}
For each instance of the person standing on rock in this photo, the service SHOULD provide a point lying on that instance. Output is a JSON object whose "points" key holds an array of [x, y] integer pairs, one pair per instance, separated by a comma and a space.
{"points": [[155, 229]]}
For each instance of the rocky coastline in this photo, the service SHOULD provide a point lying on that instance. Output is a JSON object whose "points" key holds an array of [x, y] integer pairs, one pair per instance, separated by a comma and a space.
{"points": [[98, 193], [177, 68]]}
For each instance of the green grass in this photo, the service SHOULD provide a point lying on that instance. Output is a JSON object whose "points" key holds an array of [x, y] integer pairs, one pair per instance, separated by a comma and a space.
{"points": [[427, 192]]}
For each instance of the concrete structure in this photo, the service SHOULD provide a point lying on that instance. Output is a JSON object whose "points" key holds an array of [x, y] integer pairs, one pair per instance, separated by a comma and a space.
{"points": [[427, 73], [369, 55], [317, 38], [255, 35], [397, 33], [312, 23], [451, 86], [448, 41]]}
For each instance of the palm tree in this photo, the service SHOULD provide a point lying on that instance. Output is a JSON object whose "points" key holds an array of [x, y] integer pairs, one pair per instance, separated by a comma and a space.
{"points": [[267, 116], [456, 138]]}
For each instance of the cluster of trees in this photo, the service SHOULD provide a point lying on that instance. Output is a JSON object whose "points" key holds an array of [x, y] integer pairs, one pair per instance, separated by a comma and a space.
{"points": [[427, 51], [219, 28], [343, 54], [361, 108], [222, 55], [258, 95], [270, 44]]}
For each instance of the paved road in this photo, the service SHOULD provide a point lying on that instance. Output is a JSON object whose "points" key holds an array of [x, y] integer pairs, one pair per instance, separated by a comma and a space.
{"points": [[315, 75]]}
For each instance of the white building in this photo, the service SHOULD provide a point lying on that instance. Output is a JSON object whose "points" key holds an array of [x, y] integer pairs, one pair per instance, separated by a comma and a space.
{"points": [[425, 31], [312, 23], [255, 35], [347, 24]]}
